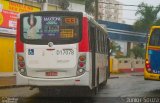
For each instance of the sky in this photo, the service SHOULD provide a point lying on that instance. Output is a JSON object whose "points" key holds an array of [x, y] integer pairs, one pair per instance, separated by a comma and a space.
{"points": [[128, 15]]}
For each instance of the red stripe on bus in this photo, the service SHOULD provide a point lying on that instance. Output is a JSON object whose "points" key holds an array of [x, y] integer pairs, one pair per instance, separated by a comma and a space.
{"points": [[152, 48], [84, 44], [19, 44]]}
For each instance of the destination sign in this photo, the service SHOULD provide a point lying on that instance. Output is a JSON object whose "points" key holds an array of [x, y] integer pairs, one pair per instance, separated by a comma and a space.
{"points": [[70, 20], [66, 33]]}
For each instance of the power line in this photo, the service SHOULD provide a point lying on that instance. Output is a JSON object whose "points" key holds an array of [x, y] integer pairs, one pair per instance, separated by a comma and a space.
{"points": [[124, 4], [122, 9], [128, 19], [125, 19], [128, 9], [119, 4]]}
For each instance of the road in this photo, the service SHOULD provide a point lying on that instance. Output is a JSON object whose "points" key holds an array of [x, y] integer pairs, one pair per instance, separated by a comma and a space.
{"points": [[130, 85], [127, 88]]}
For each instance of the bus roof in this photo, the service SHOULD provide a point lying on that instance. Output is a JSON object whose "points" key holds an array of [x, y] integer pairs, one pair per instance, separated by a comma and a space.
{"points": [[94, 21], [154, 27]]}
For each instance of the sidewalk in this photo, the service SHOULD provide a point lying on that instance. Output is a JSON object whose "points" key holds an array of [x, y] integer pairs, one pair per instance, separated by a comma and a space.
{"points": [[121, 75], [7, 80]]}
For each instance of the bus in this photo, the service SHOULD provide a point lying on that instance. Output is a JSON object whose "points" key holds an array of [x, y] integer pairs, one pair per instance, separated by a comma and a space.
{"points": [[152, 66], [61, 49]]}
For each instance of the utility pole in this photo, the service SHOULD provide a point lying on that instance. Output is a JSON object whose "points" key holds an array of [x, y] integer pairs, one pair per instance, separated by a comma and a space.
{"points": [[96, 9], [21, 1], [44, 5]]}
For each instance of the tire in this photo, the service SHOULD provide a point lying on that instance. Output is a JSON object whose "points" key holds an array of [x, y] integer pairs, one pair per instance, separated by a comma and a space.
{"points": [[108, 72], [97, 86]]}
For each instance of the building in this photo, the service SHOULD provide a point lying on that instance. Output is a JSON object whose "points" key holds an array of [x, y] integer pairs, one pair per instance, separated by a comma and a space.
{"points": [[124, 35], [73, 5], [110, 10], [52, 5], [76, 5]]}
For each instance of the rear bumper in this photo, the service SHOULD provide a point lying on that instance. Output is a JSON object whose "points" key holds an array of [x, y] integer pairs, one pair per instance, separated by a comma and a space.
{"points": [[149, 76], [82, 80]]}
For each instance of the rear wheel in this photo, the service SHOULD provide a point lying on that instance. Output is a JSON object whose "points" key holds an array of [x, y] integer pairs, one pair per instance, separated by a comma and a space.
{"points": [[97, 83], [104, 83], [108, 72]]}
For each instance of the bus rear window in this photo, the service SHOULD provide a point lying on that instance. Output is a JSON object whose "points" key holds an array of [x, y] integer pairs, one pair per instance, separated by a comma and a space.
{"points": [[155, 38], [50, 27]]}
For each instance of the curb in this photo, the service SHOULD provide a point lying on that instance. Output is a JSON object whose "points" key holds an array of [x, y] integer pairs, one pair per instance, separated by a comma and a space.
{"points": [[114, 77], [137, 75], [12, 86], [129, 70]]}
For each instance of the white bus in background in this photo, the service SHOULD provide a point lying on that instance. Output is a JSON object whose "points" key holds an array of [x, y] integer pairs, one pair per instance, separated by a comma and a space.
{"points": [[61, 49]]}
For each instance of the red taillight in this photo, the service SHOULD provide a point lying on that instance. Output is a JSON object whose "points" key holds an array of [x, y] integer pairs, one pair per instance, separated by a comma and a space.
{"points": [[82, 58], [20, 58], [21, 64], [148, 66], [81, 64]]}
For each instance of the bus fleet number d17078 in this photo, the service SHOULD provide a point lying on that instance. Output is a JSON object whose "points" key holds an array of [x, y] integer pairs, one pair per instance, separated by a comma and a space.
{"points": [[65, 52]]}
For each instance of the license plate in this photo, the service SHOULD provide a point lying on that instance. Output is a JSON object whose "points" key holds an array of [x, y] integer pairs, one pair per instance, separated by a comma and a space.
{"points": [[51, 73]]}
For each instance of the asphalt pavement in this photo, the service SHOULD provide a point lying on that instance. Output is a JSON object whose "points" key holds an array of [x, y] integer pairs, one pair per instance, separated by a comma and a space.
{"points": [[120, 88]]}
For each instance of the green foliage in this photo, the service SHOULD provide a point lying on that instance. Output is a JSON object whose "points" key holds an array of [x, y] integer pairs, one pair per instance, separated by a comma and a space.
{"points": [[116, 50], [129, 52], [148, 17], [89, 6], [78, 1], [138, 51], [113, 47], [64, 4]]}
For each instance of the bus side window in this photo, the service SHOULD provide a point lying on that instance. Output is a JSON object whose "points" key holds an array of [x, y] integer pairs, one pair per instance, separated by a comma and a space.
{"points": [[99, 37], [106, 44], [155, 37], [92, 40], [97, 41], [100, 42]]}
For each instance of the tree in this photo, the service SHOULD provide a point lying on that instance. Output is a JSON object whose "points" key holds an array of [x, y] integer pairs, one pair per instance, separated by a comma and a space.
{"points": [[116, 50], [148, 17], [138, 51], [90, 6], [64, 4]]}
